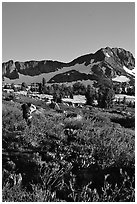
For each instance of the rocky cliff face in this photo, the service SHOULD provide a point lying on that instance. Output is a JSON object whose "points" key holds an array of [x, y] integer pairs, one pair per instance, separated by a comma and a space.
{"points": [[105, 63]]}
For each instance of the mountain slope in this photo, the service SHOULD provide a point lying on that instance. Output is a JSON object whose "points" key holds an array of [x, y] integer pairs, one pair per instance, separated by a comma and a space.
{"points": [[106, 64]]}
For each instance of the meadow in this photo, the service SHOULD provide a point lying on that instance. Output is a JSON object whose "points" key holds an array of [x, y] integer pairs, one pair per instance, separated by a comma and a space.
{"points": [[60, 159]]}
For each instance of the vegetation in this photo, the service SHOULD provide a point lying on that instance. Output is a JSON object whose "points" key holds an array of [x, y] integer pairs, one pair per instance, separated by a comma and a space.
{"points": [[63, 159], [90, 95], [105, 97], [124, 88], [23, 86]]}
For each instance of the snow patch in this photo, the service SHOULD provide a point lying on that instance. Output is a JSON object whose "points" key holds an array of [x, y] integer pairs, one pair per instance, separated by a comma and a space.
{"points": [[76, 99], [121, 79], [132, 72], [107, 55], [128, 98]]}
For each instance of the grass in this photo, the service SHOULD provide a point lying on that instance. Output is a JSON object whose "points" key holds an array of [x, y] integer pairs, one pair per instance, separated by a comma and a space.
{"points": [[80, 165]]}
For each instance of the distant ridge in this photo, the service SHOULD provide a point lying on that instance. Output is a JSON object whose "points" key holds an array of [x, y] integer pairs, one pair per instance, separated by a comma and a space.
{"points": [[105, 64]]}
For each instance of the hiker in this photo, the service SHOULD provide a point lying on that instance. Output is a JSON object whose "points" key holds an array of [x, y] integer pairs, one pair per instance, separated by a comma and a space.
{"points": [[54, 105], [28, 109]]}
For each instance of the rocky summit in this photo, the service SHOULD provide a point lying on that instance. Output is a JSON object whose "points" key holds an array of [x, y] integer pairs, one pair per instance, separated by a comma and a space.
{"points": [[107, 64]]}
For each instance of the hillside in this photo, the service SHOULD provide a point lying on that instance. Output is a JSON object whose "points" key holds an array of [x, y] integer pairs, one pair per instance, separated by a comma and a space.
{"points": [[106, 64], [63, 159]]}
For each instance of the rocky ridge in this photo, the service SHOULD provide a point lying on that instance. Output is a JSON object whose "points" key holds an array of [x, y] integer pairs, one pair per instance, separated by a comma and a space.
{"points": [[107, 63]]}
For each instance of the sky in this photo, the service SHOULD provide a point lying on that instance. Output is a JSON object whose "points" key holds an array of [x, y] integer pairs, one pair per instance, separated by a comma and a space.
{"points": [[63, 31]]}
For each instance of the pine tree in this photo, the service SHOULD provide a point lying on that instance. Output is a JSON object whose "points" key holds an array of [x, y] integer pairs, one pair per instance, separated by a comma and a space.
{"points": [[90, 95], [43, 82], [105, 97], [40, 88]]}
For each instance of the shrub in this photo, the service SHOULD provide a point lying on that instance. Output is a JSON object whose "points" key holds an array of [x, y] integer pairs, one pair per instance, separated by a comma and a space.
{"points": [[86, 168]]}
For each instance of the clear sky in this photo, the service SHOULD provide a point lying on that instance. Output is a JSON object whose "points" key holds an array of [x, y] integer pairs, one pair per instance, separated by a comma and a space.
{"points": [[65, 30]]}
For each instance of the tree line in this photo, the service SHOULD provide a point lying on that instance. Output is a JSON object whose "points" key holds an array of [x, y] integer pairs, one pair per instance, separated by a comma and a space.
{"points": [[103, 93]]}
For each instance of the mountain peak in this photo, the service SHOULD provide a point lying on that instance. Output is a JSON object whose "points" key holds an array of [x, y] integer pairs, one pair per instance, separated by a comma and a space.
{"points": [[105, 63]]}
